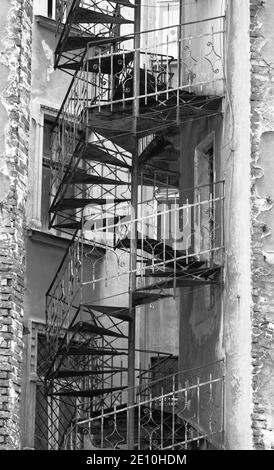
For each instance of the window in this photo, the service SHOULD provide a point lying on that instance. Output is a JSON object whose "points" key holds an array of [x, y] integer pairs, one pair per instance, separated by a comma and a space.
{"points": [[168, 15], [46, 8], [204, 179], [52, 415], [164, 374], [51, 9], [45, 193], [48, 192]]}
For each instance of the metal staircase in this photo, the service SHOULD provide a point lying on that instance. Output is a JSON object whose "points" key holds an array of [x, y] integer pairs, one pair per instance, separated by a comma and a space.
{"points": [[115, 189]]}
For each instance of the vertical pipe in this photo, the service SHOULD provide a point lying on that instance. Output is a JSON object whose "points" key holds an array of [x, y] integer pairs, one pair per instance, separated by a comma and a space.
{"points": [[162, 417], [139, 423], [173, 412], [133, 250], [179, 60], [223, 405]]}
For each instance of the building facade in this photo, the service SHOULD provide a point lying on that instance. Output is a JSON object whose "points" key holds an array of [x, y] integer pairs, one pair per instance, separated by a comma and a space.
{"points": [[136, 225]]}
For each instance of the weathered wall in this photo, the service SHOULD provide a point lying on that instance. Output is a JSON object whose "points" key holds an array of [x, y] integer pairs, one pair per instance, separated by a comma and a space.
{"points": [[48, 89], [15, 79], [200, 319], [226, 330], [237, 275], [48, 86], [262, 122], [44, 253]]}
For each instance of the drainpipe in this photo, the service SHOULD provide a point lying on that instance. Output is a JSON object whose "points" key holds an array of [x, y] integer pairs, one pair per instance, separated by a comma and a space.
{"points": [[134, 215]]}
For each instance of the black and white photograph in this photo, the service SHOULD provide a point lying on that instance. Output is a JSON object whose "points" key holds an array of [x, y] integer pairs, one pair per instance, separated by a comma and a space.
{"points": [[136, 230]]}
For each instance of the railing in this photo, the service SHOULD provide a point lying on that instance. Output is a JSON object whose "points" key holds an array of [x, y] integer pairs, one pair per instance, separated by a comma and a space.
{"points": [[172, 235], [66, 7], [188, 416], [64, 295], [104, 82], [172, 238], [87, 91], [67, 411], [65, 14], [105, 78]]}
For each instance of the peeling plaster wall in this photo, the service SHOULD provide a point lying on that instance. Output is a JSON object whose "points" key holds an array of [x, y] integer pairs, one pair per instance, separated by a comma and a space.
{"points": [[225, 331], [200, 318], [48, 88], [262, 197], [15, 79], [237, 299]]}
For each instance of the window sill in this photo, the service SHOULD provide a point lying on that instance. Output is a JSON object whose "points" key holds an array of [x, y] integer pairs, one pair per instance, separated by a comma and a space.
{"points": [[46, 22]]}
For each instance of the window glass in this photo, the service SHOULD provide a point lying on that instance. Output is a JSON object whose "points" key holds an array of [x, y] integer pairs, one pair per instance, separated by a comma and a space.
{"points": [[45, 194], [168, 14], [45, 8]]}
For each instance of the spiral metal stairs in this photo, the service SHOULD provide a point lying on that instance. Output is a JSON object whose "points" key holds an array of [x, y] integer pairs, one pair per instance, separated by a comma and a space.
{"points": [[112, 144]]}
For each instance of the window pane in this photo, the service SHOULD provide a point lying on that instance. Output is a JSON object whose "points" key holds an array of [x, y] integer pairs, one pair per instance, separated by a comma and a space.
{"points": [[45, 197], [47, 139]]}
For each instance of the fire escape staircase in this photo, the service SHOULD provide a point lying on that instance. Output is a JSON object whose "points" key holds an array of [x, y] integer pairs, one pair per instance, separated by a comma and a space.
{"points": [[88, 361]]}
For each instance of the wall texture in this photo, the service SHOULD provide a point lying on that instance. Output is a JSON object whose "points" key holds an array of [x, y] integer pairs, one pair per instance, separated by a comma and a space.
{"points": [[237, 273], [15, 79], [262, 166]]}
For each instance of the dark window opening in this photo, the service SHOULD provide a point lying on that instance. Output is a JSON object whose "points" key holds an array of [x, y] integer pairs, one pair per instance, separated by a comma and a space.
{"points": [[50, 8], [164, 374], [45, 193]]}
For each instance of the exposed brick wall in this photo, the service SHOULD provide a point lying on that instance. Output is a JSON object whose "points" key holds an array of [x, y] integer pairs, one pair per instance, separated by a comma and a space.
{"points": [[15, 62], [262, 136]]}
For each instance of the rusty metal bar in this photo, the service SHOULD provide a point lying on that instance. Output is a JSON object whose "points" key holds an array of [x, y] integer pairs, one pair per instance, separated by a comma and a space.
{"points": [[133, 251]]}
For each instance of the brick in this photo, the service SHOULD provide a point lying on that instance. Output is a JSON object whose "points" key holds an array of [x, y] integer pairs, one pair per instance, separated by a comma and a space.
{"points": [[12, 248]]}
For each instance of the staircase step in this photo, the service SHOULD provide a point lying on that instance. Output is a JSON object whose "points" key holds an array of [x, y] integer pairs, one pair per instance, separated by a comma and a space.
{"points": [[73, 43], [201, 272], [87, 393], [116, 124], [68, 225], [125, 3], [85, 178], [185, 282], [66, 374], [94, 153], [80, 42], [142, 297], [74, 203], [85, 15], [105, 65], [160, 150], [84, 351], [85, 327], [122, 313]]}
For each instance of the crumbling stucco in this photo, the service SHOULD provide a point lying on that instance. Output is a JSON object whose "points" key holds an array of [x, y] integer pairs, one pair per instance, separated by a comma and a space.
{"points": [[15, 80], [262, 126]]}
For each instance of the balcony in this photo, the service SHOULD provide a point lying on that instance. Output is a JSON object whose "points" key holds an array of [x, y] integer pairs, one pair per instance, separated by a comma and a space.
{"points": [[97, 121], [179, 245], [186, 415]]}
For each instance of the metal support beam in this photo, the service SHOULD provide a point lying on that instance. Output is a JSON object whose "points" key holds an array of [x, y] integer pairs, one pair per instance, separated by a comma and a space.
{"points": [[133, 250], [179, 60]]}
